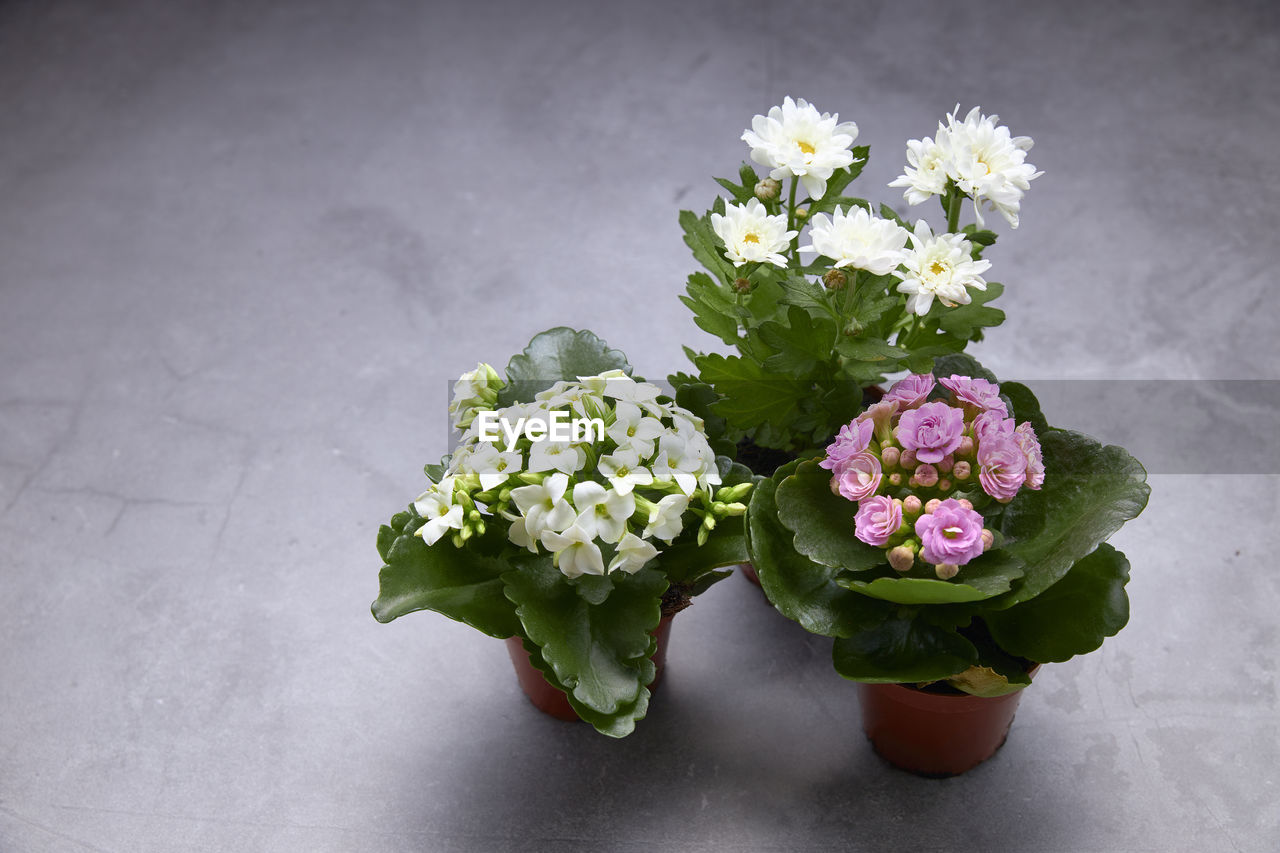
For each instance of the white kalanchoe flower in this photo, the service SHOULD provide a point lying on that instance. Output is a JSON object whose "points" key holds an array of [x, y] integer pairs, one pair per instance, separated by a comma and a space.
{"points": [[857, 240], [633, 553], [602, 512], [633, 430], [677, 461], [750, 234], [940, 266], [666, 519], [474, 390], [624, 471], [988, 164], [493, 466], [926, 172], [796, 140], [437, 507], [563, 456], [575, 550], [543, 505]]}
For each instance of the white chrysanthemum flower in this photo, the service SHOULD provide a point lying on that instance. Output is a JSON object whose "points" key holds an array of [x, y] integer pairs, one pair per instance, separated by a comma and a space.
{"points": [[575, 550], [926, 172], [602, 512], [750, 234], [988, 164], [633, 553], [623, 470], [940, 266], [858, 240], [796, 140], [666, 519]]}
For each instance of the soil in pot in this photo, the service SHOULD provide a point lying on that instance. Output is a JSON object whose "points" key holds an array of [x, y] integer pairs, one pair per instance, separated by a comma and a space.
{"points": [[935, 732]]}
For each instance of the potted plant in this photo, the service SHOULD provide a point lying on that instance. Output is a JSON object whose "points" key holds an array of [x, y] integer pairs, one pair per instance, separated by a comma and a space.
{"points": [[950, 541], [580, 511], [820, 293]]}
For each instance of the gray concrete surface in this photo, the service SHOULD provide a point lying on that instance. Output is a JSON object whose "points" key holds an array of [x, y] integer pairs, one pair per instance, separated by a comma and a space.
{"points": [[244, 245]]}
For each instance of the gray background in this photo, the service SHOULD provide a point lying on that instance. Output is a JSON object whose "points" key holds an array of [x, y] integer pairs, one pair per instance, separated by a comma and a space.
{"points": [[243, 246]]}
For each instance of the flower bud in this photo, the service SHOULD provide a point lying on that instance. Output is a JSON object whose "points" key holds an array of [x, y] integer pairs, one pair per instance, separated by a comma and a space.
{"points": [[931, 506], [768, 189], [947, 463], [966, 446], [889, 456], [966, 503], [946, 571], [907, 459], [801, 213], [926, 475], [944, 485], [961, 471], [988, 539], [895, 478], [835, 280], [742, 285], [911, 505], [902, 558]]}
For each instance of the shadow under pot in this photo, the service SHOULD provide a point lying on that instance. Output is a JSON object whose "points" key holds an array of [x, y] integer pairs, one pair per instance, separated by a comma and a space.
{"points": [[551, 699], [935, 734]]}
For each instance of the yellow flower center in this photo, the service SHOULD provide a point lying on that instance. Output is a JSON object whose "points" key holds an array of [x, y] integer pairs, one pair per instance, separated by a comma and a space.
{"points": [[805, 147], [936, 268], [951, 532], [750, 237]]}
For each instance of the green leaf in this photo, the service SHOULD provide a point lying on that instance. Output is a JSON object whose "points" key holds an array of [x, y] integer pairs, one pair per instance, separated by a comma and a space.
{"points": [[748, 395], [822, 522], [963, 320], [804, 292], [799, 588], [618, 724], [1023, 405], [554, 355], [905, 646], [707, 248], [841, 178], [714, 310], [799, 344], [961, 364], [1089, 492], [457, 582], [1073, 616], [868, 349], [599, 653], [986, 577]]}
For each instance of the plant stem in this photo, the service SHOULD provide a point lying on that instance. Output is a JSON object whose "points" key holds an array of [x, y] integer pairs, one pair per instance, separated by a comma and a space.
{"points": [[953, 210], [791, 221]]}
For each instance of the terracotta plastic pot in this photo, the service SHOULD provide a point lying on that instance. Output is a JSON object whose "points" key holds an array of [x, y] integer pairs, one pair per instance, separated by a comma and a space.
{"points": [[935, 734], [552, 700]]}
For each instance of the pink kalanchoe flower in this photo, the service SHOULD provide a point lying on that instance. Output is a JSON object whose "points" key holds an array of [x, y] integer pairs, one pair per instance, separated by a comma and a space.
{"points": [[853, 438], [857, 477], [878, 519], [881, 415], [1025, 436], [992, 425], [932, 431], [950, 534], [1002, 468], [910, 392], [979, 393]]}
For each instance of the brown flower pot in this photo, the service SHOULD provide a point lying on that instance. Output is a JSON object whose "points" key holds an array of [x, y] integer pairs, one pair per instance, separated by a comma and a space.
{"points": [[935, 734], [749, 572], [552, 700]]}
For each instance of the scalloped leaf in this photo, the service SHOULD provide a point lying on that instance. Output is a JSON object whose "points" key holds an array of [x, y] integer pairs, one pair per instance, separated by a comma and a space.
{"points": [[598, 653], [1073, 616], [905, 646], [554, 355], [799, 588], [619, 724], [982, 579], [822, 522], [457, 582], [1088, 494]]}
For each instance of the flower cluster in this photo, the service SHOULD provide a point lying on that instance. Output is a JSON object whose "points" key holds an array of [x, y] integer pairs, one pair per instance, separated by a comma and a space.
{"points": [[595, 499], [797, 142], [921, 469], [977, 156], [477, 389]]}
